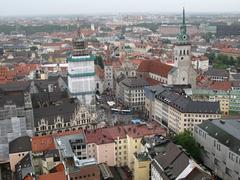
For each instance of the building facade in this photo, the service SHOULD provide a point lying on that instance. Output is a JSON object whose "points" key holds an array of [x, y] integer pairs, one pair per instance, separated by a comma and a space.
{"points": [[116, 146], [131, 92], [108, 75], [16, 119], [221, 96], [178, 112], [64, 117], [81, 73], [219, 141]]}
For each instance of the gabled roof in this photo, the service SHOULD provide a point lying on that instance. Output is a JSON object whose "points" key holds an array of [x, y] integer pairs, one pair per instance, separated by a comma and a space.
{"points": [[108, 135], [217, 72], [50, 113], [221, 85], [135, 82], [155, 67], [21, 144], [185, 104], [226, 132], [173, 161]]}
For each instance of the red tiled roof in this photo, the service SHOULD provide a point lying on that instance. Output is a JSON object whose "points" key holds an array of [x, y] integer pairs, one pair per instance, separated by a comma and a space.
{"points": [[221, 85], [137, 61], [51, 176], [108, 135], [201, 58], [66, 133], [108, 62], [152, 82], [59, 167], [42, 143], [155, 67], [99, 72], [230, 50], [46, 142]]}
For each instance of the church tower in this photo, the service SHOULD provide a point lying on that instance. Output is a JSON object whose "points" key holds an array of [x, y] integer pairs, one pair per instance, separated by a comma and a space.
{"points": [[184, 72], [81, 72]]}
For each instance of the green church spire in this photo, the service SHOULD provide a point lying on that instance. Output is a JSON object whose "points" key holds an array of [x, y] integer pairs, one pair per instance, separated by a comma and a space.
{"points": [[183, 15], [182, 36]]}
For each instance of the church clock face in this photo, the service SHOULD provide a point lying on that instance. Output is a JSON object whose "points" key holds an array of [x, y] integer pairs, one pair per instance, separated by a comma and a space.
{"points": [[184, 37]]}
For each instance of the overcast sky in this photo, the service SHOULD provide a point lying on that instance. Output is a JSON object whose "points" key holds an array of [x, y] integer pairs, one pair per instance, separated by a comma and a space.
{"points": [[51, 7]]}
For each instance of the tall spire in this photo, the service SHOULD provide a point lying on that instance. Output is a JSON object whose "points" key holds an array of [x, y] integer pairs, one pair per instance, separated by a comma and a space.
{"points": [[183, 15], [182, 36], [79, 33]]}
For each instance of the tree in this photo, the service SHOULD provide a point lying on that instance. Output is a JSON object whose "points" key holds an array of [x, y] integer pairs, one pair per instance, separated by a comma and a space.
{"points": [[33, 48], [186, 140], [99, 61], [211, 56]]}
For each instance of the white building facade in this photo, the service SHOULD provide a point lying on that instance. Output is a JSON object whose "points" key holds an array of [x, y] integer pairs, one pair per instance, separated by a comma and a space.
{"points": [[81, 73]]}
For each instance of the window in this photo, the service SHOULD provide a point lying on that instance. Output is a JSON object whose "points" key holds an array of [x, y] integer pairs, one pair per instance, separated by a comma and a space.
{"points": [[227, 171], [216, 162]]}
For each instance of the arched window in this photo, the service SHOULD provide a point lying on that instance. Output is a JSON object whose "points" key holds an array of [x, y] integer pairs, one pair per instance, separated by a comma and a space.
{"points": [[184, 52], [97, 85], [59, 125], [180, 52], [43, 128], [187, 52]]}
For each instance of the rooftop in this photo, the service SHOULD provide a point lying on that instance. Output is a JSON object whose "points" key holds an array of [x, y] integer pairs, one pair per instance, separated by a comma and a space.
{"points": [[226, 132], [135, 82], [58, 175], [21, 144], [217, 72], [155, 67], [42, 143], [108, 135], [185, 104]]}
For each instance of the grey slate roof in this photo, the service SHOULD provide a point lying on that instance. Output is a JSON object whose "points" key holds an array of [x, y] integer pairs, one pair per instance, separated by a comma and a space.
{"points": [[15, 86], [135, 82], [14, 99], [21, 144], [185, 104], [64, 110], [217, 72], [49, 97], [173, 161], [226, 132], [42, 85]]}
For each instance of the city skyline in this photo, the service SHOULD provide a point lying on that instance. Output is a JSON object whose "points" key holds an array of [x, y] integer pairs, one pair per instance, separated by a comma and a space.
{"points": [[65, 7]]}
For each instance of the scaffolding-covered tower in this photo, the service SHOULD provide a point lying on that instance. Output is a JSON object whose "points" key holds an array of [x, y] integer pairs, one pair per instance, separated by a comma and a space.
{"points": [[81, 72]]}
